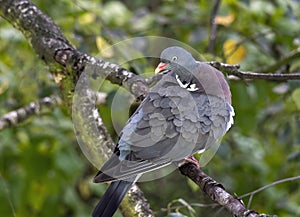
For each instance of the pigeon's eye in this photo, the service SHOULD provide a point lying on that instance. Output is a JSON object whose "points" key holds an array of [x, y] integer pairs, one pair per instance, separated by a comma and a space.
{"points": [[174, 58]]}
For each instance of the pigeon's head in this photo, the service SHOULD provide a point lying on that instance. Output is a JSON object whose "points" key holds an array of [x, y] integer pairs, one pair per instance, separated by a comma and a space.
{"points": [[175, 59], [193, 75]]}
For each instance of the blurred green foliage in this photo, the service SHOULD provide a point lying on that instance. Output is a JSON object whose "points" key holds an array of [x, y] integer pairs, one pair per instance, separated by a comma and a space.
{"points": [[42, 170]]}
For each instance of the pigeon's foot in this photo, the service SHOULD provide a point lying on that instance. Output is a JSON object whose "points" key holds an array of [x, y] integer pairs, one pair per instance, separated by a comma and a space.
{"points": [[190, 159]]}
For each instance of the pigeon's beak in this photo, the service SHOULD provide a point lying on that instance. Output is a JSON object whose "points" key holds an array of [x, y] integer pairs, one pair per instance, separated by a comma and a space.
{"points": [[160, 67]]}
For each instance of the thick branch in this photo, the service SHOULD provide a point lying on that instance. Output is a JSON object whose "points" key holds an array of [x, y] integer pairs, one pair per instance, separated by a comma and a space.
{"points": [[216, 192], [136, 205], [66, 63], [43, 34], [233, 70]]}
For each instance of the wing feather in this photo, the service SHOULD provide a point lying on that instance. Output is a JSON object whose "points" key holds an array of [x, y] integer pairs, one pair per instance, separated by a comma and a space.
{"points": [[169, 125]]}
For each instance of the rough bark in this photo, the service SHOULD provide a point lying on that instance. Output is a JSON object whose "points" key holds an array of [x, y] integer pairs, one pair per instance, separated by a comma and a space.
{"points": [[67, 64], [217, 192]]}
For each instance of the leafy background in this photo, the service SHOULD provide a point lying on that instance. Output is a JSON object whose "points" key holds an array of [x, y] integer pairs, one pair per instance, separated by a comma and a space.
{"points": [[42, 170]]}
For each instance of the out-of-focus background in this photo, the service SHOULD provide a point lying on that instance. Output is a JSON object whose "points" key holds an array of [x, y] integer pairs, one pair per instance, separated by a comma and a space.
{"points": [[42, 170]]}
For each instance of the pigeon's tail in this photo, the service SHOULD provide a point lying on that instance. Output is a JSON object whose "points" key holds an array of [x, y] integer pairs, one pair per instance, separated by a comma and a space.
{"points": [[112, 198]]}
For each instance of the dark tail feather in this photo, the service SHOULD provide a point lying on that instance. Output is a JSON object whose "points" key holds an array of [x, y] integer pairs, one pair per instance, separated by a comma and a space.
{"points": [[112, 198]]}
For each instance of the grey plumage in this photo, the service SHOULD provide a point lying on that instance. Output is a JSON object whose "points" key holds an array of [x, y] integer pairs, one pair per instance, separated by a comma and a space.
{"points": [[186, 111]]}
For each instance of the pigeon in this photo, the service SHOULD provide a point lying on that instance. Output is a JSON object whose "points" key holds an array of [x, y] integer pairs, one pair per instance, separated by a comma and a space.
{"points": [[185, 112]]}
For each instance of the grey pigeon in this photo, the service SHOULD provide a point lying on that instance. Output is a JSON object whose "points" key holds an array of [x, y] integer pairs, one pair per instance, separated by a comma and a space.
{"points": [[186, 111]]}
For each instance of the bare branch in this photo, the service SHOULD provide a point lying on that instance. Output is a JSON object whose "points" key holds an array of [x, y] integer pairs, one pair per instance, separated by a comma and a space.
{"points": [[216, 192], [233, 70], [293, 55], [67, 64], [20, 115], [252, 193], [212, 205], [34, 108], [137, 202], [213, 31]]}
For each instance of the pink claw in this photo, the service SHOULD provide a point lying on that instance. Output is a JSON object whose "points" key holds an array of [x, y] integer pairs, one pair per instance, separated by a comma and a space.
{"points": [[190, 159]]}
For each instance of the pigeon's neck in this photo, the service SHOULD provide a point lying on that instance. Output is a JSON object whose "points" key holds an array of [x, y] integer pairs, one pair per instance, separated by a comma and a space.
{"points": [[203, 79], [185, 74], [214, 82]]}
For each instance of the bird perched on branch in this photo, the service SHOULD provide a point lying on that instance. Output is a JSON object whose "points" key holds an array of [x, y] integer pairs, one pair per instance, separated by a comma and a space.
{"points": [[186, 111]]}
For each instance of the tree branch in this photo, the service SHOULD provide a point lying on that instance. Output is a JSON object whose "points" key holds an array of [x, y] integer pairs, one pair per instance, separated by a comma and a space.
{"points": [[217, 193], [214, 25], [34, 108], [234, 70], [295, 54], [67, 64], [251, 194], [20, 115], [135, 204]]}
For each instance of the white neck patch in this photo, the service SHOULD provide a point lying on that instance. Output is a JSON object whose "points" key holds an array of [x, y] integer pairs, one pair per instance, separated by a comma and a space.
{"points": [[231, 115], [189, 86]]}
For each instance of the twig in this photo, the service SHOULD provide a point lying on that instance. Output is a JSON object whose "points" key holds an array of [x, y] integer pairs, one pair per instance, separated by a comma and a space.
{"points": [[295, 54], [34, 108], [7, 193], [216, 192], [252, 193], [253, 38], [214, 25], [212, 205], [20, 115], [233, 70]]}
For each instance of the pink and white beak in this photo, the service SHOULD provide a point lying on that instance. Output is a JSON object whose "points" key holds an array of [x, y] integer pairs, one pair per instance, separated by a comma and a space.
{"points": [[160, 67]]}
